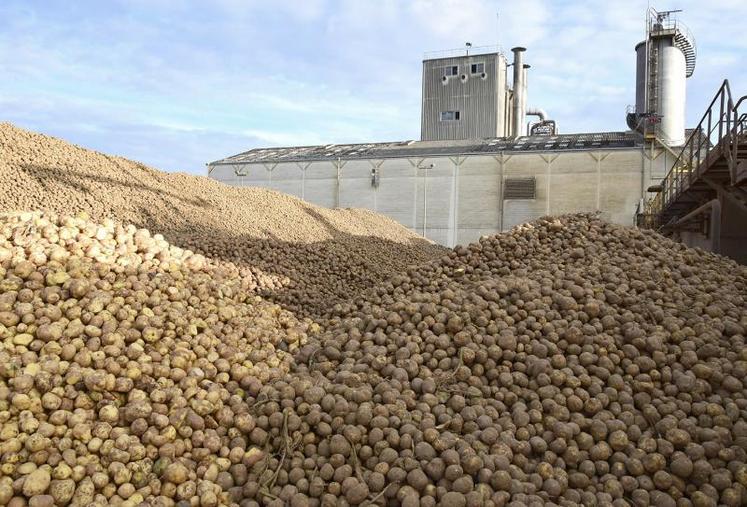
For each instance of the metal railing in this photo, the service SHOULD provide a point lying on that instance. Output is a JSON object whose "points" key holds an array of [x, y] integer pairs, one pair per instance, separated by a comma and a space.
{"points": [[716, 134], [667, 22], [464, 51]]}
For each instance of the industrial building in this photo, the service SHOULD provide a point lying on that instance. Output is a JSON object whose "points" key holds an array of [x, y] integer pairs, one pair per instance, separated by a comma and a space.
{"points": [[465, 96], [455, 191], [479, 167]]}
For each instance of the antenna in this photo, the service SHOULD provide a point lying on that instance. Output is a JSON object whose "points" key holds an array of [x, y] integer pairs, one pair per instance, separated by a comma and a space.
{"points": [[498, 31], [661, 16]]}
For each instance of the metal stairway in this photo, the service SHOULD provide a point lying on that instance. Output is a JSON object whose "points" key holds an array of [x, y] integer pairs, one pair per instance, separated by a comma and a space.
{"points": [[712, 164], [685, 42]]}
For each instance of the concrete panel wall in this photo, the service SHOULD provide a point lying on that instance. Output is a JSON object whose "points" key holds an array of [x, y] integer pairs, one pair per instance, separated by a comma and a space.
{"points": [[517, 211], [478, 198], [573, 183], [356, 190], [620, 186], [397, 194], [461, 198], [733, 232]]}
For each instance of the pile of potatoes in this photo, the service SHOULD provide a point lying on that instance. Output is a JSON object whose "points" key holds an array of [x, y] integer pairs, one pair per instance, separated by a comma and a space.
{"points": [[567, 362], [126, 366], [304, 257]]}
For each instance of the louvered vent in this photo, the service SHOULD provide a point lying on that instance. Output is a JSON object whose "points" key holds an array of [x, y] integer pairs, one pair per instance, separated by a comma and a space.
{"points": [[519, 188]]}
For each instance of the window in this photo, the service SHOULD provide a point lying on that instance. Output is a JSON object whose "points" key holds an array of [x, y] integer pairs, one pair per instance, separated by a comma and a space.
{"points": [[451, 70], [449, 115], [519, 188], [477, 68]]}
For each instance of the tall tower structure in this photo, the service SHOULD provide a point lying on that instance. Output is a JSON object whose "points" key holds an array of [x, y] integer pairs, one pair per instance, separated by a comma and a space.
{"points": [[664, 60]]}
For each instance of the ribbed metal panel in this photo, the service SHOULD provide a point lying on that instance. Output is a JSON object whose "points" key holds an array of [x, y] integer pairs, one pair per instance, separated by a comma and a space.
{"points": [[480, 101]]}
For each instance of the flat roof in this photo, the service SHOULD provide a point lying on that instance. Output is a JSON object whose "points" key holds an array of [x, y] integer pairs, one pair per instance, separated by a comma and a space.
{"points": [[426, 149]]}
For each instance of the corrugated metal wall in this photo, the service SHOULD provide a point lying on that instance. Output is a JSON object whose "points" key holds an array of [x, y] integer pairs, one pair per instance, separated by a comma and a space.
{"points": [[480, 102], [461, 197]]}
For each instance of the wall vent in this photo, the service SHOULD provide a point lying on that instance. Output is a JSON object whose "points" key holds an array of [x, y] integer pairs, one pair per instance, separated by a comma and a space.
{"points": [[519, 188]]}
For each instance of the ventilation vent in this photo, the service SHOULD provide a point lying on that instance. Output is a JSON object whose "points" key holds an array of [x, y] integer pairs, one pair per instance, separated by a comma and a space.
{"points": [[519, 188]]}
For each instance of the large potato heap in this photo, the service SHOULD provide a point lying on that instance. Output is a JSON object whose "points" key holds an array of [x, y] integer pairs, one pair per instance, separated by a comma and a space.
{"points": [[302, 256], [570, 361], [124, 365]]}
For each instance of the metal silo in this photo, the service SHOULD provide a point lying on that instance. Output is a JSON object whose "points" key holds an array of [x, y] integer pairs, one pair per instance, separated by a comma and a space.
{"points": [[663, 62], [671, 92], [640, 78]]}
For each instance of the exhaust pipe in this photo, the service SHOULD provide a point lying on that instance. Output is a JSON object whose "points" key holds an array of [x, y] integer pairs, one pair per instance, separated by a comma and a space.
{"points": [[519, 91]]}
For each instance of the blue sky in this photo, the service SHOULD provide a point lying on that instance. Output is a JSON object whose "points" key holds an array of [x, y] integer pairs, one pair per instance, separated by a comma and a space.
{"points": [[176, 84]]}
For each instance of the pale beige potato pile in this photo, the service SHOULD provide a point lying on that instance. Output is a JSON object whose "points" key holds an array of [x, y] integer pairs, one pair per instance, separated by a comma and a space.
{"points": [[305, 257]]}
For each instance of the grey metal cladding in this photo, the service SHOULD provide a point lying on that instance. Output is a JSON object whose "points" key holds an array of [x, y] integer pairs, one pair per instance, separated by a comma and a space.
{"points": [[475, 96]]}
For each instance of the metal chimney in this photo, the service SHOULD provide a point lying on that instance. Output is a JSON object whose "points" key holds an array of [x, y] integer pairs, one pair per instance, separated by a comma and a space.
{"points": [[524, 93], [519, 92]]}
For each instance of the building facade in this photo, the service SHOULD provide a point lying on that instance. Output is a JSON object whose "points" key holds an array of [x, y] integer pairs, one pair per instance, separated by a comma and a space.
{"points": [[453, 192], [465, 97]]}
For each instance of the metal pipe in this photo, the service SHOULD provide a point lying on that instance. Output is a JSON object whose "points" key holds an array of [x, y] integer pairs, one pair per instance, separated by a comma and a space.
{"points": [[535, 111], [425, 203], [425, 194], [524, 92], [715, 225], [695, 213], [518, 105], [337, 198]]}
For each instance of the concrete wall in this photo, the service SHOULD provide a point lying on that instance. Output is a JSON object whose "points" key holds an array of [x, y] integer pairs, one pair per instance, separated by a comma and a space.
{"points": [[733, 240], [733, 231], [461, 197]]}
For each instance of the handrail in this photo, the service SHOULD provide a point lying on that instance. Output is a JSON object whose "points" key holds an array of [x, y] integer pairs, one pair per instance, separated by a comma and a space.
{"points": [[720, 119], [464, 51], [740, 130]]}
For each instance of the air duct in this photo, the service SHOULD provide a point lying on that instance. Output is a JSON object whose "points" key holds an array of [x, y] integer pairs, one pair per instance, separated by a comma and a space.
{"points": [[519, 91]]}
